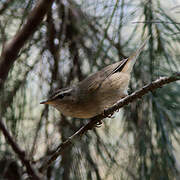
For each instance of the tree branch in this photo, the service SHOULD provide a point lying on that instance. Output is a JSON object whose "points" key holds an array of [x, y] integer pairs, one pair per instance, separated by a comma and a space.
{"points": [[108, 113], [21, 154], [11, 49]]}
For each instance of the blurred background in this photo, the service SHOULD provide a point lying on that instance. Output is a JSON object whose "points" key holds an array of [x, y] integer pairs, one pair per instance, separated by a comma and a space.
{"points": [[75, 39]]}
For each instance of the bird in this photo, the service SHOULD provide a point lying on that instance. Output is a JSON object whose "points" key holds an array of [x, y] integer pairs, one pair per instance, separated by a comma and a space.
{"points": [[98, 91]]}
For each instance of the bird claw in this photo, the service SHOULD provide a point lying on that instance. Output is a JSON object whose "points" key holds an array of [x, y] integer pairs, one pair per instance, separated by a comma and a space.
{"points": [[98, 124], [107, 115]]}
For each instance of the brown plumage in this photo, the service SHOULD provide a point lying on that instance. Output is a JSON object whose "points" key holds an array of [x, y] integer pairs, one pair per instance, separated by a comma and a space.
{"points": [[98, 91]]}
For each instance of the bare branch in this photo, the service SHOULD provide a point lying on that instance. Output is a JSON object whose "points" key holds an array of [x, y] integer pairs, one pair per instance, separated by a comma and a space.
{"points": [[43, 114], [11, 49], [107, 113], [21, 154]]}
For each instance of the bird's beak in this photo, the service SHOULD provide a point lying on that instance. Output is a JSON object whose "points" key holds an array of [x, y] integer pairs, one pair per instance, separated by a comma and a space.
{"points": [[46, 102]]}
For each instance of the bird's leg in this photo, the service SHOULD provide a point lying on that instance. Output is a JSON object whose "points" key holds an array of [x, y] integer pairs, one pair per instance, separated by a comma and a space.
{"points": [[98, 124]]}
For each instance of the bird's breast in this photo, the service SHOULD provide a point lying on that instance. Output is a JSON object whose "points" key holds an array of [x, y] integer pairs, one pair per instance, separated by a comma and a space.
{"points": [[91, 104]]}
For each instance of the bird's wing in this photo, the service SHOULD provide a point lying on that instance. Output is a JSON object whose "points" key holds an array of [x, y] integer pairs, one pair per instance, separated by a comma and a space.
{"points": [[95, 80]]}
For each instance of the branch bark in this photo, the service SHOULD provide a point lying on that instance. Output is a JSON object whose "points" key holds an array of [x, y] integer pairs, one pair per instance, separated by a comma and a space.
{"points": [[108, 113], [11, 49]]}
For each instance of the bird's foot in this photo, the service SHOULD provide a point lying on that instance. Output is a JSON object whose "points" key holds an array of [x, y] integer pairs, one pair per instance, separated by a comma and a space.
{"points": [[98, 124]]}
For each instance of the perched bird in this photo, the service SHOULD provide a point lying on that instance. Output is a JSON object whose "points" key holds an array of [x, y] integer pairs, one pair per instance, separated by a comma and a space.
{"points": [[98, 91]]}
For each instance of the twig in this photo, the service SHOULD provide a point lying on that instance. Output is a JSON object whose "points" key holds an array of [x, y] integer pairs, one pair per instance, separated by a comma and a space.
{"points": [[11, 49], [155, 22], [44, 113], [21, 154], [107, 113]]}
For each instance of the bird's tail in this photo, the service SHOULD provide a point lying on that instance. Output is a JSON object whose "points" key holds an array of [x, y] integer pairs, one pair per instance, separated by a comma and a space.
{"points": [[132, 58]]}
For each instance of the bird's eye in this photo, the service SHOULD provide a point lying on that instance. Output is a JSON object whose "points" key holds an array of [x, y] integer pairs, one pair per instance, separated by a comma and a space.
{"points": [[60, 96]]}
